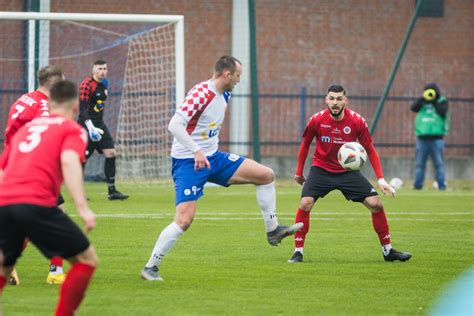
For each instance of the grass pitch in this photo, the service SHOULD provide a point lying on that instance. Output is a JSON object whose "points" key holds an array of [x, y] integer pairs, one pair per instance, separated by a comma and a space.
{"points": [[223, 264]]}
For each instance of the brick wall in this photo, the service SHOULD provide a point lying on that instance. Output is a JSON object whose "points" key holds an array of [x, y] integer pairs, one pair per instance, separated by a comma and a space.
{"points": [[316, 43]]}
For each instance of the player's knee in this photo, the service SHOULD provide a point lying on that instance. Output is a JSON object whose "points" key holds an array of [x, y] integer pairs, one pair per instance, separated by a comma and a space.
{"points": [[110, 153], [267, 175], [88, 256], [375, 204], [91, 257], [184, 220], [184, 223], [306, 204]]}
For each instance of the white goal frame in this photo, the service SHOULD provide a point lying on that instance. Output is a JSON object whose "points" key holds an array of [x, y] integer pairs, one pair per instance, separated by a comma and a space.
{"points": [[96, 17]]}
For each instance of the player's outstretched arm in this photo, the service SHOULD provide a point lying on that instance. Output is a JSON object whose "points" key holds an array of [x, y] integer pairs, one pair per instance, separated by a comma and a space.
{"points": [[72, 173], [377, 166], [302, 155]]}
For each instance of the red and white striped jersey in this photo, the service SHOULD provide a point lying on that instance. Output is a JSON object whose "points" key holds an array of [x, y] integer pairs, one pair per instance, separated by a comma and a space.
{"points": [[204, 110]]}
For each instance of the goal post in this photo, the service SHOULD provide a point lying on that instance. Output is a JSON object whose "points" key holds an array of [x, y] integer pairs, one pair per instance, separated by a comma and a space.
{"points": [[145, 58]]}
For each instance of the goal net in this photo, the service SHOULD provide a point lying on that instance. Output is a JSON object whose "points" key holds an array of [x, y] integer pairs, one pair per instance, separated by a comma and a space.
{"points": [[145, 60]]}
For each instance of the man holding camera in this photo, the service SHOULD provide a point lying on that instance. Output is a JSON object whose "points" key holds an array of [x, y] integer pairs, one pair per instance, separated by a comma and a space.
{"points": [[431, 125]]}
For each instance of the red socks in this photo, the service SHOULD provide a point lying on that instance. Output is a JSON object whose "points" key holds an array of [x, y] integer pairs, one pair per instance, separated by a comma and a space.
{"points": [[56, 261], [3, 282], [300, 236], [381, 227], [72, 291]]}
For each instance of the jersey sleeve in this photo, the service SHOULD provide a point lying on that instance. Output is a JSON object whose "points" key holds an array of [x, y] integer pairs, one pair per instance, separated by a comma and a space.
{"points": [[76, 140], [366, 141], [307, 138], [195, 103], [20, 114], [85, 92], [4, 157]]}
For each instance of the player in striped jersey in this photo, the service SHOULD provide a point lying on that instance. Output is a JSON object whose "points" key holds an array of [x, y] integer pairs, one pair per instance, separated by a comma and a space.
{"points": [[197, 160]]}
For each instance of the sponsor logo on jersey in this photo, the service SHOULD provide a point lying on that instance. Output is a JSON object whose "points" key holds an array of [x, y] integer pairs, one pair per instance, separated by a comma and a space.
{"points": [[336, 131], [338, 140], [347, 130], [325, 139], [373, 190], [99, 106], [325, 126]]}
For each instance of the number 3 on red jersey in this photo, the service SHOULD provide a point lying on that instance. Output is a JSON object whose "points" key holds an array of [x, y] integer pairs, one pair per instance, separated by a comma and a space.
{"points": [[34, 138]]}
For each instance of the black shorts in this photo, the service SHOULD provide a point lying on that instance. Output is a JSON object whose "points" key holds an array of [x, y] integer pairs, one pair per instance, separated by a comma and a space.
{"points": [[106, 142], [49, 229], [353, 185]]}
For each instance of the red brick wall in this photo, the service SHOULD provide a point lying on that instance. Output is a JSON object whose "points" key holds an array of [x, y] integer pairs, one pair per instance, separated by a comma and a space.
{"points": [[207, 26], [354, 43], [317, 43]]}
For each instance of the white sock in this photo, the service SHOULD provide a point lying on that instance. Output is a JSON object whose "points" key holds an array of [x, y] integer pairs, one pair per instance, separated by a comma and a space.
{"points": [[386, 249], [266, 198], [165, 242], [300, 249]]}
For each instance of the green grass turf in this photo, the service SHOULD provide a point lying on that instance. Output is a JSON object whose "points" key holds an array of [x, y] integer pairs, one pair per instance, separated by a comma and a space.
{"points": [[223, 264]]}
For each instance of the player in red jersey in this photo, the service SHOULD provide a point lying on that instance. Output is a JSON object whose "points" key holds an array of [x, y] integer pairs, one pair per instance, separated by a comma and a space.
{"points": [[331, 128], [41, 155], [25, 109]]}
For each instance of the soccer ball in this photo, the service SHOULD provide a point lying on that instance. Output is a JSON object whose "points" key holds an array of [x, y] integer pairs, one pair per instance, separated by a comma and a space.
{"points": [[352, 156], [396, 183]]}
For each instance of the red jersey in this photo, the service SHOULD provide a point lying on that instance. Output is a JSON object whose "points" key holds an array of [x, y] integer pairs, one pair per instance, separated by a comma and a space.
{"points": [[32, 172], [26, 108], [330, 135]]}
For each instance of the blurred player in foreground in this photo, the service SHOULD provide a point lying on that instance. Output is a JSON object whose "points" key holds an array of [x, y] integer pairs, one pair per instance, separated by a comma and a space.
{"points": [[41, 154], [93, 94], [196, 160], [332, 128], [25, 109]]}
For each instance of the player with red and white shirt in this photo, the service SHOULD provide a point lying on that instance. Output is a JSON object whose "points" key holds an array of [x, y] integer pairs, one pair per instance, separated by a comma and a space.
{"points": [[26, 108], [40, 156], [196, 160], [332, 128]]}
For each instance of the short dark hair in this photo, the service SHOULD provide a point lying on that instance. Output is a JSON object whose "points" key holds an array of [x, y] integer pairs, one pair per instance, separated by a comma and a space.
{"points": [[226, 63], [99, 62], [47, 73], [337, 88], [63, 91]]}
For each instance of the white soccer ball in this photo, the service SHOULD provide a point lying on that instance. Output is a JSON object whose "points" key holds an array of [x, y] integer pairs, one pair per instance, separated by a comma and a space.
{"points": [[352, 156], [396, 183]]}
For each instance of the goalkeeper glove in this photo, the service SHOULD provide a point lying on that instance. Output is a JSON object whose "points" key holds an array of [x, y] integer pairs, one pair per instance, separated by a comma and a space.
{"points": [[95, 133]]}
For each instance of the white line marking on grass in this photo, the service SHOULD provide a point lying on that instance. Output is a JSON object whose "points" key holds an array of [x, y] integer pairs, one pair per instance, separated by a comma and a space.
{"points": [[313, 213], [258, 218]]}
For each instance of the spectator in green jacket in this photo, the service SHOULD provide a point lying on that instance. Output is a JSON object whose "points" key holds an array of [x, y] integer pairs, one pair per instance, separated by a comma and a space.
{"points": [[431, 124]]}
